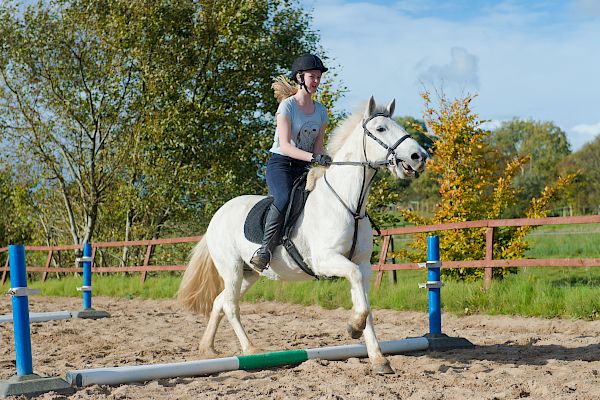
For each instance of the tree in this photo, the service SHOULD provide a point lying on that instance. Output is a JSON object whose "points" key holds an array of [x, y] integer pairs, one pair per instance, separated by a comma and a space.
{"points": [[143, 112], [472, 186], [546, 146], [65, 90], [584, 194], [17, 223]]}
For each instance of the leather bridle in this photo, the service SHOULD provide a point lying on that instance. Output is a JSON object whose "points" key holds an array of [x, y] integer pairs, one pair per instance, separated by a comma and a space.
{"points": [[376, 165]]}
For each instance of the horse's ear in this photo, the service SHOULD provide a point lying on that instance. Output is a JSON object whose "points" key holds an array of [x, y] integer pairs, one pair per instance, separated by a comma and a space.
{"points": [[391, 107], [370, 107]]}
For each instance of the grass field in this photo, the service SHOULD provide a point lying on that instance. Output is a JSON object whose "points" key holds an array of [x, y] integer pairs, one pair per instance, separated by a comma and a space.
{"points": [[544, 291]]}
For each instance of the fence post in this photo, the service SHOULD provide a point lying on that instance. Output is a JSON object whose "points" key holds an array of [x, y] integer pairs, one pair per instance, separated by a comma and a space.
{"points": [[489, 256], [149, 251], [382, 255], [47, 266], [392, 274], [5, 269]]}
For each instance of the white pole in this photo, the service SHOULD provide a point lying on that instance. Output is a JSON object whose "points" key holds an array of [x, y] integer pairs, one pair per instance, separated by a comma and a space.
{"points": [[338, 353], [39, 317], [141, 373]]}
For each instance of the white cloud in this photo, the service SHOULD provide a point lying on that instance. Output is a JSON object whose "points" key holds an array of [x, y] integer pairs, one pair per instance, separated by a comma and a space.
{"points": [[462, 71], [582, 134], [491, 125]]}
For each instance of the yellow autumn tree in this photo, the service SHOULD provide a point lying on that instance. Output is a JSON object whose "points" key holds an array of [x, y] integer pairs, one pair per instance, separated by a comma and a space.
{"points": [[472, 186]]}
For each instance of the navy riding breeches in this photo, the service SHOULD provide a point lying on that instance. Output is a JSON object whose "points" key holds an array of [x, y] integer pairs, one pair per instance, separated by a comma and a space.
{"points": [[282, 171]]}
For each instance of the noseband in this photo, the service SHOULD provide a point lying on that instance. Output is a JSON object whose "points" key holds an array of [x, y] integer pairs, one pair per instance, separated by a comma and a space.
{"points": [[376, 165]]}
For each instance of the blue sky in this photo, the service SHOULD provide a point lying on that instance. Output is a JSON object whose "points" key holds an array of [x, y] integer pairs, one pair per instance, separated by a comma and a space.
{"points": [[537, 59]]}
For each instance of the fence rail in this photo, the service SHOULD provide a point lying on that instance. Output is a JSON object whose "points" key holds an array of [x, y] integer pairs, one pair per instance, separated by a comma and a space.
{"points": [[488, 263], [382, 265]]}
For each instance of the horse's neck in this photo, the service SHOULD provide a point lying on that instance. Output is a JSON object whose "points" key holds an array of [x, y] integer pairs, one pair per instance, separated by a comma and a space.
{"points": [[351, 183]]}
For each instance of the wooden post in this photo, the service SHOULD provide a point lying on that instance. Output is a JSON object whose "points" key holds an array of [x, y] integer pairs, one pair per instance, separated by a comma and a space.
{"points": [[392, 274], [489, 256], [149, 251], [5, 270], [382, 256], [47, 266]]}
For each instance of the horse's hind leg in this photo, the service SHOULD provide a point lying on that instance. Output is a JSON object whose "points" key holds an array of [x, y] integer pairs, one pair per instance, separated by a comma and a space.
{"points": [[207, 343]]}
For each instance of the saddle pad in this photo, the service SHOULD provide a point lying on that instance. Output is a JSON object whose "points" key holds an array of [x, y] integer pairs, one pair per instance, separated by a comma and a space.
{"points": [[254, 227]]}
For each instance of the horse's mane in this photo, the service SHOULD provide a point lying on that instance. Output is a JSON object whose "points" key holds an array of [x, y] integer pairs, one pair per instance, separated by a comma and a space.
{"points": [[340, 134]]}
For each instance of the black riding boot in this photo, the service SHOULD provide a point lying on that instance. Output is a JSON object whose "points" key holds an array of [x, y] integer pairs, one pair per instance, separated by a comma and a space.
{"points": [[271, 238]]}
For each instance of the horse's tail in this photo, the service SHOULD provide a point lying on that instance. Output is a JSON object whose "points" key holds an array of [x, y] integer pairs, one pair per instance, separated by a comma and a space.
{"points": [[201, 282]]}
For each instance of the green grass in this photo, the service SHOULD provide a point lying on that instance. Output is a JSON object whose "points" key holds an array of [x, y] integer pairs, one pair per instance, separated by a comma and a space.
{"points": [[114, 285], [564, 241], [547, 292]]}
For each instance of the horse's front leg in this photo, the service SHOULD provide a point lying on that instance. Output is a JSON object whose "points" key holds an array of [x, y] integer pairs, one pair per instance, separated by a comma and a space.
{"points": [[381, 364], [362, 320]]}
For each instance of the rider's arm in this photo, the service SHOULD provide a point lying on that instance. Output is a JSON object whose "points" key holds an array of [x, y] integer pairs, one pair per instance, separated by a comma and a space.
{"points": [[284, 132], [318, 146]]}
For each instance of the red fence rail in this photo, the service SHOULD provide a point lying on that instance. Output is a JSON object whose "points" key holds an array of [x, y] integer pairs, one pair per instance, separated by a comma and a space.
{"points": [[144, 268], [488, 263]]}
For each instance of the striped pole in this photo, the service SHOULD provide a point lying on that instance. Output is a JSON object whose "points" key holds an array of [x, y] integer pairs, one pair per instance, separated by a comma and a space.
{"points": [[434, 284], [141, 373], [20, 304]]}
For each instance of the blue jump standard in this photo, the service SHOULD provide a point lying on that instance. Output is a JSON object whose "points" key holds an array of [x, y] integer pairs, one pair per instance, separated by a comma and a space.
{"points": [[25, 382], [88, 312], [438, 341]]}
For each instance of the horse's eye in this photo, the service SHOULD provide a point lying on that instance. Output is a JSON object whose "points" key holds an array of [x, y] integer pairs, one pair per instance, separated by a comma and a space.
{"points": [[380, 129]]}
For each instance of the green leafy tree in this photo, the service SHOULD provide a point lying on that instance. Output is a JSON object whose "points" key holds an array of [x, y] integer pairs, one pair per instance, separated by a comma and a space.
{"points": [[546, 146], [471, 187], [65, 90], [17, 222], [584, 194], [141, 116]]}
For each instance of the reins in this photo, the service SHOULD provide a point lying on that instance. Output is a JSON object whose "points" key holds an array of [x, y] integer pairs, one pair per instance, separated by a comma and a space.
{"points": [[375, 165]]}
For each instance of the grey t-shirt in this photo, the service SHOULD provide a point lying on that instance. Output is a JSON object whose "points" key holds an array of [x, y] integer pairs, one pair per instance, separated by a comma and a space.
{"points": [[305, 128]]}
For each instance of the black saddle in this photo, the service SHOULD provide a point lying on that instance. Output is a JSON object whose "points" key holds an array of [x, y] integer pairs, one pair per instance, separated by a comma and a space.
{"points": [[255, 221]]}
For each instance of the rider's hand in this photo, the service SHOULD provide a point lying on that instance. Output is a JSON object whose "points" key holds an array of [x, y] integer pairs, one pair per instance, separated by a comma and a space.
{"points": [[322, 159]]}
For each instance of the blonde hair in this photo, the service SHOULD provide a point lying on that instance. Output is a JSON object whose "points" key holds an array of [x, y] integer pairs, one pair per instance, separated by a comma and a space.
{"points": [[283, 88]]}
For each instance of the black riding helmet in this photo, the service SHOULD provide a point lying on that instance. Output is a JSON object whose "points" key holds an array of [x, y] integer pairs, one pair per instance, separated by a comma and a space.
{"points": [[306, 62]]}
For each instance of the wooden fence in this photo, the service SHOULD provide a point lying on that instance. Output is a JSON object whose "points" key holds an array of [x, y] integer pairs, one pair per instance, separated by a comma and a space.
{"points": [[488, 263]]}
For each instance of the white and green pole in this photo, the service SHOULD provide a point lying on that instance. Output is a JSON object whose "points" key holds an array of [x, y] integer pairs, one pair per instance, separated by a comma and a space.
{"points": [[141, 373]]}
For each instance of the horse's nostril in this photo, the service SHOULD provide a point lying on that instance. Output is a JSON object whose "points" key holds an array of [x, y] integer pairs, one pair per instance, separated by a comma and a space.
{"points": [[415, 156]]}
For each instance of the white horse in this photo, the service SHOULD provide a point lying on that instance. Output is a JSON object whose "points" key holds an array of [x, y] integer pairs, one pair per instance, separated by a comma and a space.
{"points": [[324, 233]]}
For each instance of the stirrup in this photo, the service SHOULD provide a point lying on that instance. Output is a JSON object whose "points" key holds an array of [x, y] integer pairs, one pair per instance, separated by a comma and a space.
{"points": [[259, 269]]}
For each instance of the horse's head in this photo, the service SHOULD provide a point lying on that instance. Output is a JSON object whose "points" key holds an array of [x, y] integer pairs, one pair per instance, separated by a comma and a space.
{"points": [[387, 143]]}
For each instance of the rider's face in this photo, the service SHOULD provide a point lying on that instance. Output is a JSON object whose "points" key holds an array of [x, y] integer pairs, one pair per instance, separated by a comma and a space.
{"points": [[312, 79]]}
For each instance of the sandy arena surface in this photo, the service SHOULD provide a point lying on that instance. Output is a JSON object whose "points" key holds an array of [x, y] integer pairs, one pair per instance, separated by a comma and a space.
{"points": [[514, 357]]}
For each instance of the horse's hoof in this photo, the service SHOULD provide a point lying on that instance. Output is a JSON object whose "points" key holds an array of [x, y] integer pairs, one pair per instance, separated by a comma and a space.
{"points": [[383, 369], [354, 333], [254, 350], [208, 353]]}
